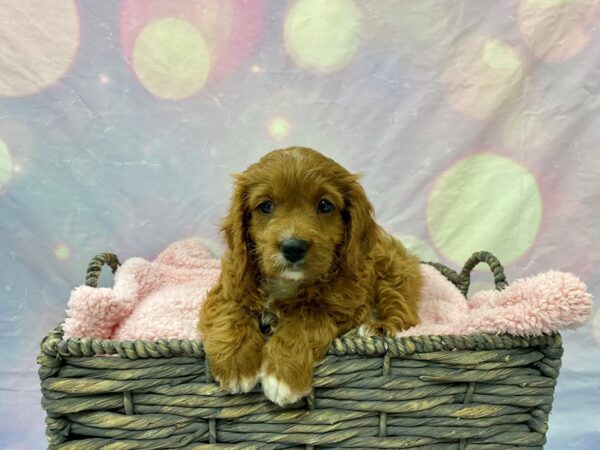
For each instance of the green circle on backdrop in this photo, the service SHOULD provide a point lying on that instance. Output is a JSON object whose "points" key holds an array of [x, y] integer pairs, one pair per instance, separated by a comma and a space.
{"points": [[323, 35], [418, 247], [171, 58], [5, 164], [485, 202]]}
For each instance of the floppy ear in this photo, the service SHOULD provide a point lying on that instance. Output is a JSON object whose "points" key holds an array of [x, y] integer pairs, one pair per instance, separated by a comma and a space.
{"points": [[361, 229], [235, 230]]}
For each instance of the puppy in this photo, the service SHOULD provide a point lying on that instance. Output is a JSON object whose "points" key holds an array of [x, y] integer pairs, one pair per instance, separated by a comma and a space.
{"points": [[305, 259]]}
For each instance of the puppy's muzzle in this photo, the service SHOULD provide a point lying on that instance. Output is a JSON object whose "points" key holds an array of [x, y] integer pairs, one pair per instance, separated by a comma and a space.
{"points": [[294, 249]]}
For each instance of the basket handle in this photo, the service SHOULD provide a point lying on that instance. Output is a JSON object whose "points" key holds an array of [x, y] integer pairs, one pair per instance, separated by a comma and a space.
{"points": [[462, 280], [95, 266]]}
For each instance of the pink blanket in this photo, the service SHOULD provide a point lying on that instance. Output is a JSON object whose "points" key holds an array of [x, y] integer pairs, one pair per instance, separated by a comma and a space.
{"points": [[160, 299]]}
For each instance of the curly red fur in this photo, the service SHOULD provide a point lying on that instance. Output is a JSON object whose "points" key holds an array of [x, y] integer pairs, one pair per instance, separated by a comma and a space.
{"points": [[353, 273]]}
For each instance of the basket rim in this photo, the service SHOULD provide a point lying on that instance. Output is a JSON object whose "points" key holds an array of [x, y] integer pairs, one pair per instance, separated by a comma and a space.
{"points": [[54, 345]]}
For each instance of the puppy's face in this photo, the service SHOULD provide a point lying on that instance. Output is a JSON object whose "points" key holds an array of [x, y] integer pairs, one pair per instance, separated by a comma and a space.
{"points": [[295, 221], [297, 216]]}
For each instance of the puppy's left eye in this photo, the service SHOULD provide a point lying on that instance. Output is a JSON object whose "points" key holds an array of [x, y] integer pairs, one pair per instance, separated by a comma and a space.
{"points": [[266, 207], [325, 206]]}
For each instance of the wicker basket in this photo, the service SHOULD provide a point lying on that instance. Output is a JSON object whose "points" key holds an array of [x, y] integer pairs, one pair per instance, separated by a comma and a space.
{"points": [[428, 392]]}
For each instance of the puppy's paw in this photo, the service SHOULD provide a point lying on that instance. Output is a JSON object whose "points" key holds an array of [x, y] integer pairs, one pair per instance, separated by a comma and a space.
{"points": [[238, 384], [376, 328], [237, 372], [278, 391], [365, 331]]}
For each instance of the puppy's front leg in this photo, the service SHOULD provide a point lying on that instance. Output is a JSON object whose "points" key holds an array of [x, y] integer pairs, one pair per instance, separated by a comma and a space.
{"points": [[289, 357], [232, 341]]}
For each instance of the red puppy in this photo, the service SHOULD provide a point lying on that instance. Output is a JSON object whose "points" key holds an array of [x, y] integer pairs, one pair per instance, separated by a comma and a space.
{"points": [[305, 257]]}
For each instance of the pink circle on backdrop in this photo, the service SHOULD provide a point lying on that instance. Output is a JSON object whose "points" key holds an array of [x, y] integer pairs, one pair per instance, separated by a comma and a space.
{"points": [[230, 28], [39, 43], [556, 31]]}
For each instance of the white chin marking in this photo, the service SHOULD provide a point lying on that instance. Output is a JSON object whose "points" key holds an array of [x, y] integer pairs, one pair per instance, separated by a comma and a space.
{"points": [[278, 391], [292, 275]]}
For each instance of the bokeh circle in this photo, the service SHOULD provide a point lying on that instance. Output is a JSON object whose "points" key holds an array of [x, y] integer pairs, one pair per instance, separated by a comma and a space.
{"points": [[418, 247], [323, 35], [171, 58], [485, 202], [62, 251], [38, 43], [481, 75], [557, 30], [229, 31], [6, 166], [279, 128]]}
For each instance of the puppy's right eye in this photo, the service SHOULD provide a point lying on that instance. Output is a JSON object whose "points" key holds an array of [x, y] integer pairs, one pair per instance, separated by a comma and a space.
{"points": [[266, 207], [325, 206]]}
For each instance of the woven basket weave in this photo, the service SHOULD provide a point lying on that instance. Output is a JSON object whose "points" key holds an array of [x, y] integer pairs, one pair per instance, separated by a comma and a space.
{"points": [[428, 392]]}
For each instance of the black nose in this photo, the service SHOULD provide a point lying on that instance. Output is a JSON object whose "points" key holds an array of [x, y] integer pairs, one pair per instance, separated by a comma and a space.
{"points": [[294, 249]]}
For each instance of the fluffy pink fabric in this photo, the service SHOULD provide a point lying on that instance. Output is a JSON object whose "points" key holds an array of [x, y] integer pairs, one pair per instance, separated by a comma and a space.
{"points": [[149, 300], [548, 302], [161, 300]]}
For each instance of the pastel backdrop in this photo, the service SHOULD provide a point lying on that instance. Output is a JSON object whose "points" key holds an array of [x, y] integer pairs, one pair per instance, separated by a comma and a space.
{"points": [[475, 122]]}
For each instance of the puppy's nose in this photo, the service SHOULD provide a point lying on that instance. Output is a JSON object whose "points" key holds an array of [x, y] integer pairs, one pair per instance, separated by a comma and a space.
{"points": [[294, 249]]}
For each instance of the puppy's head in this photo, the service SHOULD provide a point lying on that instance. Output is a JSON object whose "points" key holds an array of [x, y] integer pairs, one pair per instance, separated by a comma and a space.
{"points": [[297, 215]]}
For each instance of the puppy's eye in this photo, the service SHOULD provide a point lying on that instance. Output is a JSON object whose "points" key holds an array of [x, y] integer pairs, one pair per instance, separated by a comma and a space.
{"points": [[266, 207], [325, 206]]}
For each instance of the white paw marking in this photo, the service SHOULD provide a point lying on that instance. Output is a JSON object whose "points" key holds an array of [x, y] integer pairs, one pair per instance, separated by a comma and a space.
{"points": [[278, 391], [248, 383], [366, 331], [239, 386]]}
